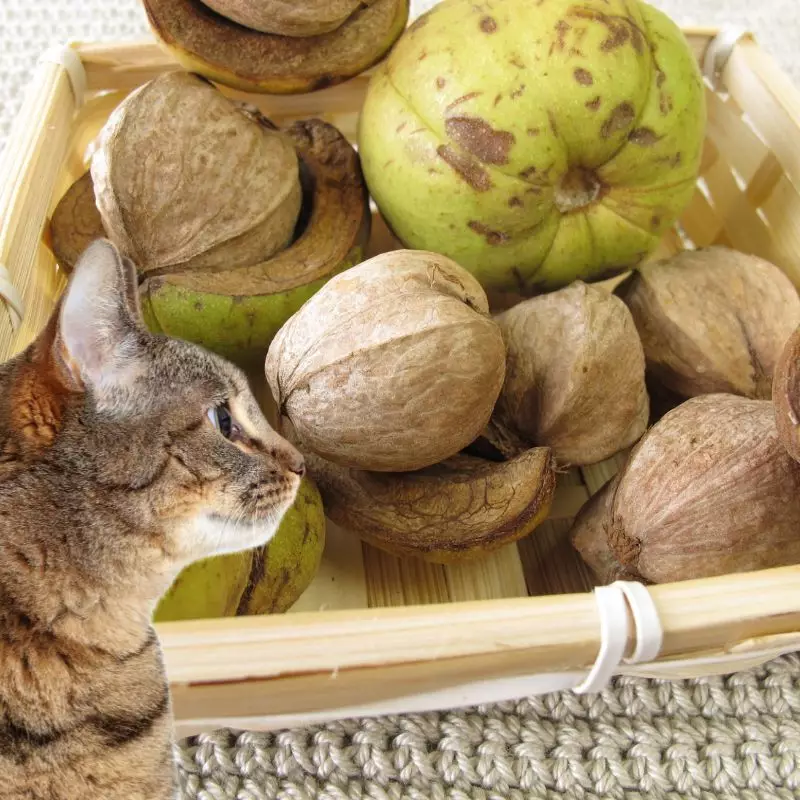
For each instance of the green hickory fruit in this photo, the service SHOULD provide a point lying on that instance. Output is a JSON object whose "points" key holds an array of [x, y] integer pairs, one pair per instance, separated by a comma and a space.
{"points": [[535, 143], [266, 580]]}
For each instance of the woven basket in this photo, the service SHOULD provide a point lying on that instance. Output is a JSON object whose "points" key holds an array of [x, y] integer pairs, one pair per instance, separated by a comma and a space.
{"points": [[376, 634]]}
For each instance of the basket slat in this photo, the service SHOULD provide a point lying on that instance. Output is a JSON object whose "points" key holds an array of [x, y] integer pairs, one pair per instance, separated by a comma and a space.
{"points": [[701, 221], [537, 634], [341, 581], [737, 142], [769, 100], [497, 576], [30, 167]]}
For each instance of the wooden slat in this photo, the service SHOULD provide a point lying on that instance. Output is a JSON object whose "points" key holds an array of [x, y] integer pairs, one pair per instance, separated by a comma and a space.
{"points": [[30, 168], [782, 210], [734, 139], [769, 99], [550, 562], [393, 581], [535, 633], [341, 581], [570, 495], [764, 180], [700, 220], [669, 245], [743, 229], [496, 576]]}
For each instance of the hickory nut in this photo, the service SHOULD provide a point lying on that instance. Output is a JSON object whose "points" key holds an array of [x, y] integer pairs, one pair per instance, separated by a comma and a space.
{"points": [[393, 365]]}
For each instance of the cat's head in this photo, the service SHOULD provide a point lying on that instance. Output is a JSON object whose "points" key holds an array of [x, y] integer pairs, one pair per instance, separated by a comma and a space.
{"points": [[156, 442]]}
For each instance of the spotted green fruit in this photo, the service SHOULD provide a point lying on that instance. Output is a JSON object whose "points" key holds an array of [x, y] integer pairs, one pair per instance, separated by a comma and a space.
{"points": [[283, 569], [206, 589], [535, 143], [265, 580]]}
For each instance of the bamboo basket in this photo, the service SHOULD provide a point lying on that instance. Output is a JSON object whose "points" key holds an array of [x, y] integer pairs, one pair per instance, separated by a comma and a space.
{"points": [[376, 634]]}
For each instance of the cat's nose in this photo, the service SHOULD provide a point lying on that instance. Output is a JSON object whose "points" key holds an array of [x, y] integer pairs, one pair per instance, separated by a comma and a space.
{"points": [[291, 460]]}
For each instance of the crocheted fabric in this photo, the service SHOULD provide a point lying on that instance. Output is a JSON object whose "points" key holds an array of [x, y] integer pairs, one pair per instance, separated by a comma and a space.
{"points": [[737, 737], [722, 738]]}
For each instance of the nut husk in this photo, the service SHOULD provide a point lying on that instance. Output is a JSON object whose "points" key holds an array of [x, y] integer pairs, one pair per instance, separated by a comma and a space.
{"points": [[712, 320], [459, 509], [589, 537], [786, 395], [288, 17], [283, 568], [186, 179], [708, 491], [535, 142], [393, 365], [76, 222], [575, 377], [228, 53], [236, 312], [265, 580]]}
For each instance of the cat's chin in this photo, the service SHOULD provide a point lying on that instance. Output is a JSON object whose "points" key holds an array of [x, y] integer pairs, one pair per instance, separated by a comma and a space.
{"points": [[213, 534]]}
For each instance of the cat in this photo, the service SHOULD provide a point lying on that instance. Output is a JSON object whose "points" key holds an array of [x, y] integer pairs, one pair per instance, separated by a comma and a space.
{"points": [[124, 456]]}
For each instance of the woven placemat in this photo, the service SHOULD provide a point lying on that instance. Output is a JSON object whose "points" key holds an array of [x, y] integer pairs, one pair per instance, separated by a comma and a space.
{"points": [[733, 737], [719, 739]]}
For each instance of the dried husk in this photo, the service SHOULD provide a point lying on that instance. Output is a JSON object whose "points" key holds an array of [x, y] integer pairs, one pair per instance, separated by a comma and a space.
{"points": [[393, 365], [786, 395], [708, 491], [575, 377], [713, 320], [186, 179], [206, 42], [236, 312], [288, 17], [459, 509], [589, 537], [76, 222]]}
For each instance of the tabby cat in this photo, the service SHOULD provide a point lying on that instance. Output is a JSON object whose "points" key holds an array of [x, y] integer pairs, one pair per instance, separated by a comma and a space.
{"points": [[123, 457]]}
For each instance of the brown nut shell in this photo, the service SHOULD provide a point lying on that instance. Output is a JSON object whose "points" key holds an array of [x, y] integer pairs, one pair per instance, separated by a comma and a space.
{"points": [[76, 222], [288, 17], [574, 377], [459, 509], [786, 395], [226, 52], [708, 491], [589, 536], [186, 179], [393, 365], [713, 320]]}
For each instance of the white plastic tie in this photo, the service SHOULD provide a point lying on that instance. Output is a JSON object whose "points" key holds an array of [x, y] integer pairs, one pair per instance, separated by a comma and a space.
{"points": [[11, 297], [65, 56], [719, 51], [649, 633], [614, 630]]}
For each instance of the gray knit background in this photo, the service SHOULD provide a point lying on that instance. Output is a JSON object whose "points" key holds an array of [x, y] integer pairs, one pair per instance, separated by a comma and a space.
{"points": [[734, 737]]}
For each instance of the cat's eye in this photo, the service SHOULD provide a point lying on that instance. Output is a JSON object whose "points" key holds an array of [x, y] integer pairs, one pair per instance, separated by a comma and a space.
{"points": [[221, 419]]}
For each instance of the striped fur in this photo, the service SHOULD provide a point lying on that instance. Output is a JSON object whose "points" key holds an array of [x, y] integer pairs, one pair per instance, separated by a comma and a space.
{"points": [[112, 478]]}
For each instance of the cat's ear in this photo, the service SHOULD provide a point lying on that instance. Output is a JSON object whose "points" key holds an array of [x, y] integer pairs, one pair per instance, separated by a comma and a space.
{"points": [[99, 331]]}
